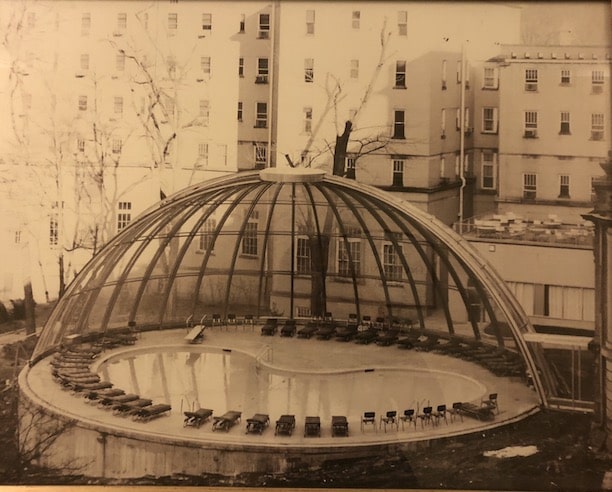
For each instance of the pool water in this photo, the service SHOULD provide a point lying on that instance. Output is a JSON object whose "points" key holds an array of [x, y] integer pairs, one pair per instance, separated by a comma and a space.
{"points": [[231, 380]]}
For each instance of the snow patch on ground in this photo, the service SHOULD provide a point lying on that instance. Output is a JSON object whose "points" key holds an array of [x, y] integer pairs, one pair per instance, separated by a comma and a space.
{"points": [[511, 452]]}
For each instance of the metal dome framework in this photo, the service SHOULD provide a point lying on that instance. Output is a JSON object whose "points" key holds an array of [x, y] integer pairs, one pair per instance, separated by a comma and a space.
{"points": [[291, 243]]}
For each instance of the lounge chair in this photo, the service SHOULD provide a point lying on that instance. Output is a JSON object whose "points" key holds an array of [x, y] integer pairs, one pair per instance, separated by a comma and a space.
{"points": [[367, 336], [368, 418], [475, 411], [491, 402], [131, 407], [339, 426], [386, 338], [257, 423], [226, 421], [455, 410], [109, 401], [94, 395], [346, 333], [289, 328], [270, 326], [309, 330], [312, 427], [426, 343], [426, 416], [379, 323], [440, 414], [77, 387], [326, 331], [151, 412], [390, 418], [197, 418], [408, 416], [285, 425]]}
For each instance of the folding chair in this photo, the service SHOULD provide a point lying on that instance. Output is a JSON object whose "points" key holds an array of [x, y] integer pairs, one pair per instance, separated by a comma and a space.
{"points": [[439, 414], [456, 410], [491, 402], [390, 418], [409, 417], [368, 418], [426, 416]]}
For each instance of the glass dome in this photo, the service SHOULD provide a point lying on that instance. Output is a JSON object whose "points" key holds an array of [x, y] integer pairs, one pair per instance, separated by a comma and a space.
{"points": [[294, 243]]}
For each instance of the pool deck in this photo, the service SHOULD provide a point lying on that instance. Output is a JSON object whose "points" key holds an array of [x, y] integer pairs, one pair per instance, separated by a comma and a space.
{"points": [[313, 356]]}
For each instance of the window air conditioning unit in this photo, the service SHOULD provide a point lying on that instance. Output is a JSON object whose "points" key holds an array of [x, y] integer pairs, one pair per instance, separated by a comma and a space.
{"points": [[468, 131], [530, 133], [263, 34], [260, 124], [530, 86], [597, 89], [529, 195], [261, 79], [597, 135], [443, 85]]}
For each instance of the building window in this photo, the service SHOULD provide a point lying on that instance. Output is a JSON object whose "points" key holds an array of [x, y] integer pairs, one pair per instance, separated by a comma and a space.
{"points": [[54, 229], [205, 64], [443, 123], [488, 171], [262, 71], [84, 61], [303, 256], [597, 126], [264, 26], [81, 145], [117, 145], [392, 265], [85, 23], [203, 153], [240, 67], [529, 186], [17, 237], [531, 79], [121, 22], [261, 115], [565, 123], [354, 69], [307, 120], [491, 78], [489, 120], [310, 22], [239, 111], [564, 186], [399, 124], [206, 239], [172, 21], [118, 105], [242, 22], [443, 75], [82, 103], [308, 70], [350, 167], [402, 23], [204, 111], [458, 119], [145, 20], [206, 22], [352, 255], [597, 79], [458, 71], [400, 74], [531, 124], [124, 215], [261, 156], [356, 19], [565, 77], [398, 172], [249, 240], [171, 65], [120, 62]]}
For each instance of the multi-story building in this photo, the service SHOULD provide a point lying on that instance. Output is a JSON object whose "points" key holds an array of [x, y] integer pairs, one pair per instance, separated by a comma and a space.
{"points": [[542, 126]]}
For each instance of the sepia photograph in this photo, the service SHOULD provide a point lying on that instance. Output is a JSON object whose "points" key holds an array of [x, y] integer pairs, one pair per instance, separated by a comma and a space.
{"points": [[285, 244]]}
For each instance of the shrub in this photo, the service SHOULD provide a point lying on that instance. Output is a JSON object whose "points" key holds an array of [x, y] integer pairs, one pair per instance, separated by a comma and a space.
{"points": [[18, 308], [4, 314]]}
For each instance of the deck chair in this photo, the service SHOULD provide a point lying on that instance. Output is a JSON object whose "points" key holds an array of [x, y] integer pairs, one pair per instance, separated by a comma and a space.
{"points": [[408, 416], [257, 423], [289, 328], [131, 407], [197, 418], [366, 321], [455, 410], [109, 401], [152, 412], [491, 402], [226, 421], [379, 322], [352, 319], [309, 330], [339, 426], [95, 395], [312, 427], [440, 414], [216, 319], [390, 418], [328, 317], [426, 416], [249, 319], [285, 425], [476, 411], [270, 326], [386, 338], [232, 319], [326, 331], [346, 333], [368, 418], [77, 388], [366, 337]]}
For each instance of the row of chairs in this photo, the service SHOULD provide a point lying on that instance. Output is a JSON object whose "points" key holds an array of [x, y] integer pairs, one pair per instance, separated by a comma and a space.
{"points": [[428, 415]]}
